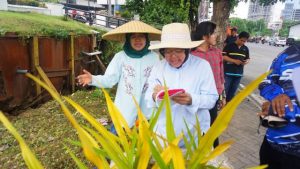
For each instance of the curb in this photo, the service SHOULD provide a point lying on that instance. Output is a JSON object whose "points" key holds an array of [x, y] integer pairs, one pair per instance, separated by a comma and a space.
{"points": [[254, 98]]}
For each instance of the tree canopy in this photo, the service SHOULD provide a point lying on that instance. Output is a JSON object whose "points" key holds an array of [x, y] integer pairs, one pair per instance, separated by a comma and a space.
{"points": [[159, 13], [255, 28]]}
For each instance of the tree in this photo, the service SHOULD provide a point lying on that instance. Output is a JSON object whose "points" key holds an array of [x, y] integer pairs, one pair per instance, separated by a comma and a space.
{"points": [[284, 31], [159, 12], [221, 11], [255, 28]]}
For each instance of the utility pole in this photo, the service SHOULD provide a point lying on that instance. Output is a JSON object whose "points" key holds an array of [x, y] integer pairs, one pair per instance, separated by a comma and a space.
{"points": [[109, 7], [116, 7]]}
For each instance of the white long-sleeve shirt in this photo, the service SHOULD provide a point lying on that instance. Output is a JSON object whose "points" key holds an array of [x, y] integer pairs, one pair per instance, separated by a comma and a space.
{"points": [[196, 78], [131, 74]]}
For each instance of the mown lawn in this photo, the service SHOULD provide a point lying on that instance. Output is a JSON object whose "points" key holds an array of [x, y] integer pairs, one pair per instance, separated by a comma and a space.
{"points": [[46, 130], [30, 24]]}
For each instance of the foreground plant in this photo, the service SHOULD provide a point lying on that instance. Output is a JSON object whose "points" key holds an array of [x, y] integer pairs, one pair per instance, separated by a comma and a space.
{"points": [[136, 147]]}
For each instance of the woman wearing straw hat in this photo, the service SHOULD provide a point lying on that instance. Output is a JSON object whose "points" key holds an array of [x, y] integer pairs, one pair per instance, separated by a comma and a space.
{"points": [[130, 68], [178, 70]]}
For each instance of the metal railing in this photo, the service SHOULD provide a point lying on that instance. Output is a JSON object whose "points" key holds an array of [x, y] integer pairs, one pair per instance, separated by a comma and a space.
{"points": [[93, 18]]}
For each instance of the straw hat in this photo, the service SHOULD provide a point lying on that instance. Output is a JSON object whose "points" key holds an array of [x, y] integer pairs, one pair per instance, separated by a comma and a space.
{"points": [[118, 34], [176, 35]]}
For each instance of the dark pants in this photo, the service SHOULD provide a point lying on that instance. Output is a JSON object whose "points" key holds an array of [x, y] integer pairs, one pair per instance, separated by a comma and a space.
{"points": [[213, 115], [276, 159], [231, 85], [113, 129]]}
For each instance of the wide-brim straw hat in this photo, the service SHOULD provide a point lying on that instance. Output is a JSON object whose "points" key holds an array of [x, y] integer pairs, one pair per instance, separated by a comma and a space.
{"points": [[118, 34], [176, 35]]}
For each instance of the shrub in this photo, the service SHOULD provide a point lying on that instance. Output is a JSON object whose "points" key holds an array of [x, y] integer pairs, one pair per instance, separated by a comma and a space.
{"points": [[134, 147]]}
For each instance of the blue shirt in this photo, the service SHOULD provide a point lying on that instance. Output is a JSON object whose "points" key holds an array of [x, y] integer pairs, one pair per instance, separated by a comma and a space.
{"points": [[287, 138]]}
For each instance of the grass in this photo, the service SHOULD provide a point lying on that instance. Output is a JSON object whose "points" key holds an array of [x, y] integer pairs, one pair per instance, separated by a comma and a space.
{"points": [[45, 129], [30, 24]]}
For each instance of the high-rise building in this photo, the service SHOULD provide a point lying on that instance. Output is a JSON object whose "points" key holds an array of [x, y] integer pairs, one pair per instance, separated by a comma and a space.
{"points": [[291, 10], [257, 11], [204, 10]]}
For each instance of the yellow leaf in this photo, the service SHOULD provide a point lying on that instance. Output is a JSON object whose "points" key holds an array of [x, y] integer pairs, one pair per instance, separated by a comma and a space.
{"points": [[177, 157], [88, 143], [259, 167], [113, 139], [169, 123], [167, 154], [28, 156], [119, 122], [114, 153], [217, 151]]}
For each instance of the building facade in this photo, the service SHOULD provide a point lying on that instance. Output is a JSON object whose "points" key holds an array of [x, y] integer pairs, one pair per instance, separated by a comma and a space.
{"points": [[291, 10], [257, 11]]}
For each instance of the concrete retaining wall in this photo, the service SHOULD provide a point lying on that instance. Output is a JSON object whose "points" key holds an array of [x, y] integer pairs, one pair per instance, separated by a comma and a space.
{"points": [[3, 5]]}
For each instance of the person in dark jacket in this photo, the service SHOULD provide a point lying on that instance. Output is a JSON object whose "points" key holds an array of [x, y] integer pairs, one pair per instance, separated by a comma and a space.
{"points": [[235, 56]]}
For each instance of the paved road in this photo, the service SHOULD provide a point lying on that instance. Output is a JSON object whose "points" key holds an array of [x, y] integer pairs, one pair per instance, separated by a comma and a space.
{"points": [[261, 57]]}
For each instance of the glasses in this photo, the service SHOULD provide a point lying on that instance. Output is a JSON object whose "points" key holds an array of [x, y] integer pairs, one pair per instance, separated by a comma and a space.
{"points": [[176, 52]]}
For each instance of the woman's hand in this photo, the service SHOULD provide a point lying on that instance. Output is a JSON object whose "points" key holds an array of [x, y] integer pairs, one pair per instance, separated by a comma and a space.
{"points": [[157, 89], [182, 98], [221, 103], [85, 78]]}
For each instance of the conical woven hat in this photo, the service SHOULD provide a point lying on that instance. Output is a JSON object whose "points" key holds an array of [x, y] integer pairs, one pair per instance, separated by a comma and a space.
{"points": [[118, 34]]}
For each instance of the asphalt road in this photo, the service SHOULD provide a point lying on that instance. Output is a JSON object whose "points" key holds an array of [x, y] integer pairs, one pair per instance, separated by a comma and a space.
{"points": [[261, 56]]}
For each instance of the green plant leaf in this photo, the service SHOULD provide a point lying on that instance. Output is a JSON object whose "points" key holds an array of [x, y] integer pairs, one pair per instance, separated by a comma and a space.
{"points": [[79, 164], [88, 143], [217, 151], [114, 153], [221, 123], [169, 124]]}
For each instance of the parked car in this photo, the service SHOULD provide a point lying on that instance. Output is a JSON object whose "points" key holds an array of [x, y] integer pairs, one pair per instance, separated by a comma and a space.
{"points": [[280, 41], [272, 41], [290, 41]]}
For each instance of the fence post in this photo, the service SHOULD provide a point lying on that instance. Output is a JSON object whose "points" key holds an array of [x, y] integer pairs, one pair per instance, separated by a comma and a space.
{"points": [[36, 61], [72, 61]]}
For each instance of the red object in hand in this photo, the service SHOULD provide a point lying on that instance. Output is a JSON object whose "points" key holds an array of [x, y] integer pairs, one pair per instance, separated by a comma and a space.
{"points": [[171, 93]]}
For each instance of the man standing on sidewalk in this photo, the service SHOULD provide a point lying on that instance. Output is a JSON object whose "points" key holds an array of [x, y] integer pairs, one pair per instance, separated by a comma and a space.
{"points": [[235, 55], [281, 146]]}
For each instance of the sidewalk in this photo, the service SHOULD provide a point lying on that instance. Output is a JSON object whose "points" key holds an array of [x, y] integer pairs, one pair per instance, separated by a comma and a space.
{"points": [[244, 152]]}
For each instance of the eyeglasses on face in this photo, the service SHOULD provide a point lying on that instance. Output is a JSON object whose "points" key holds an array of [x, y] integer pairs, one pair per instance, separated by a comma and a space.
{"points": [[176, 52]]}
